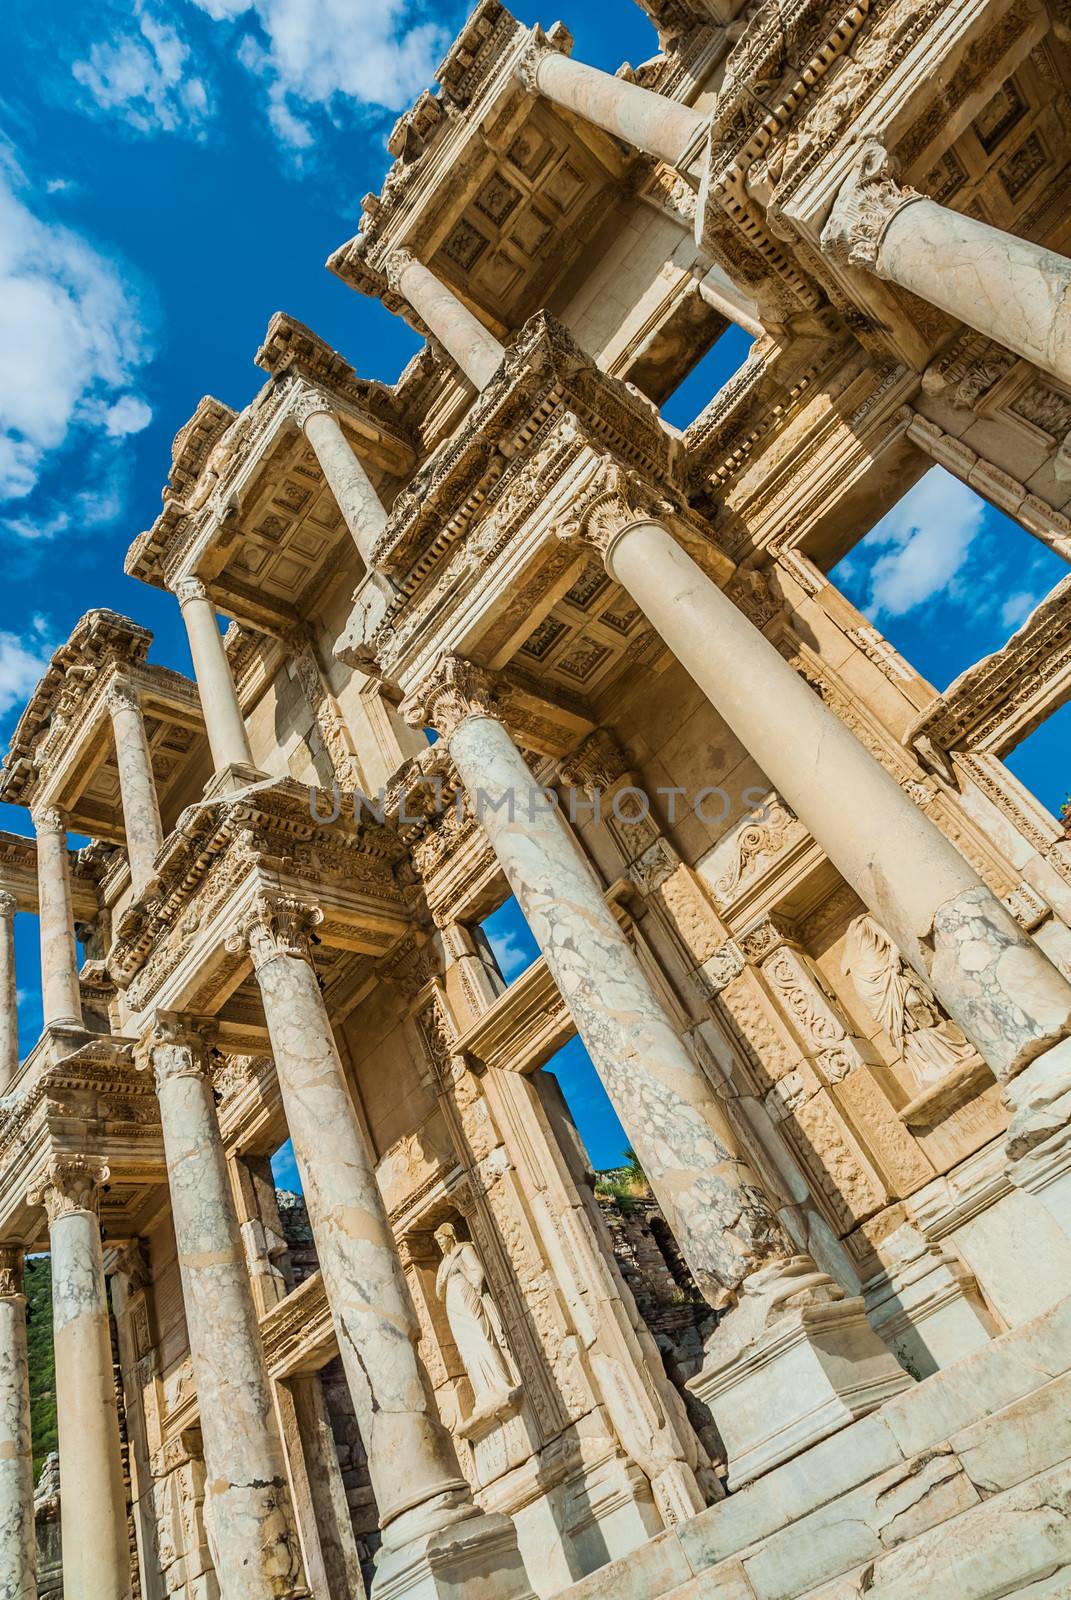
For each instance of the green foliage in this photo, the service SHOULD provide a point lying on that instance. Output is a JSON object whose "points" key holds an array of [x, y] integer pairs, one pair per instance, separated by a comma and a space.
{"points": [[42, 1360], [624, 1185]]}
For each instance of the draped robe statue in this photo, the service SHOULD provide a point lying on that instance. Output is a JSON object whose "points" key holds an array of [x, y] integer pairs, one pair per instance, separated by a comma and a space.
{"points": [[461, 1284], [933, 1048]]}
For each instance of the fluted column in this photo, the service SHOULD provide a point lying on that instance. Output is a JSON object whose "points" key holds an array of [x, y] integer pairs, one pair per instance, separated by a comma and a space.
{"points": [[475, 349], [254, 1536], [18, 1545], [651, 122], [667, 1105], [9, 994], [137, 786], [227, 736], [93, 1520], [1003, 286], [431, 1527], [60, 994], [990, 977], [355, 494]]}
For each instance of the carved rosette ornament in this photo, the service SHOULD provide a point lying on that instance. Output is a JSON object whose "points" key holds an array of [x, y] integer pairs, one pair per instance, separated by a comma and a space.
{"points": [[71, 1185], [11, 1260], [453, 691], [614, 500], [276, 925], [867, 201]]}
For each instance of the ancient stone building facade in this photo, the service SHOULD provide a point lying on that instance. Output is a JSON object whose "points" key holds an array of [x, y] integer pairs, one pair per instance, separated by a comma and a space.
{"points": [[832, 1007]]}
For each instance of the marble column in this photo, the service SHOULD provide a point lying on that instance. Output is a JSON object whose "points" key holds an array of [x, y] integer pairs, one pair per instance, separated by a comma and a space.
{"points": [[225, 725], [60, 993], [674, 1120], [9, 995], [137, 786], [1005, 287], [475, 349], [18, 1543], [433, 1534], [650, 122], [258, 1556], [990, 977], [355, 494], [93, 1512]]}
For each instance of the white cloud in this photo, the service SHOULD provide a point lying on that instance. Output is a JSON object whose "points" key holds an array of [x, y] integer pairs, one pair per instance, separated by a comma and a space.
{"points": [[23, 659], [319, 50], [927, 538], [73, 340], [1017, 607], [145, 78], [509, 952]]}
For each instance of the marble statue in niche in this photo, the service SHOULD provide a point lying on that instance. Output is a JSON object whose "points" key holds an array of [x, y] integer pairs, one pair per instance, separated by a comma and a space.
{"points": [[475, 1325], [943, 1063]]}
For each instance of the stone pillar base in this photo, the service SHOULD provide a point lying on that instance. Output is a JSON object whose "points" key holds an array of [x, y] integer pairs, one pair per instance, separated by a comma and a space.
{"points": [[228, 780], [371, 601], [1039, 1137], [815, 1368], [477, 1559], [926, 1306]]}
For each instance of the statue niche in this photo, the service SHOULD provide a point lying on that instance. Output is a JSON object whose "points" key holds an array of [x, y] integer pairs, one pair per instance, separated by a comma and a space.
{"points": [[943, 1064], [477, 1331]]}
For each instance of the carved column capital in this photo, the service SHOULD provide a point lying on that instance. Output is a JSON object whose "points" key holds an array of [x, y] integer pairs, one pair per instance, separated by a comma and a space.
{"points": [[71, 1185], [535, 53], [867, 200], [11, 1264], [132, 1262], [276, 925], [49, 819], [396, 266], [614, 500], [310, 402], [453, 691], [189, 588], [121, 695], [596, 764], [176, 1046], [8, 906]]}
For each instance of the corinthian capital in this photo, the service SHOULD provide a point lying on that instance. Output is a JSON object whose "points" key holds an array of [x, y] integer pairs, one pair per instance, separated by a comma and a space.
{"points": [[866, 203], [121, 696], [276, 925], [49, 819], [454, 690], [189, 589], [310, 402], [614, 500], [176, 1046], [70, 1185], [396, 265], [535, 52], [8, 906]]}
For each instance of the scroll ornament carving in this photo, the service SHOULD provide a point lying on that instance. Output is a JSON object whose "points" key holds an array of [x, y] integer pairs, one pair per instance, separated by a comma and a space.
{"points": [[454, 690], [614, 500], [723, 966], [70, 1186], [8, 906], [866, 203], [11, 1258], [276, 925]]}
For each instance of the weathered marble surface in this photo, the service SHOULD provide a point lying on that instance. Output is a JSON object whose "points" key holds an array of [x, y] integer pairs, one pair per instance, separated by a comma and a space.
{"points": [[224, 723], [17, 1533], [1010, 1000], [897, 860], [9, 998], [432, 1531], [250, 1516], [96, 1555], [474, 348], [362, 510], [141, 811], [669, 1110], [650, 122], [60, 993]]}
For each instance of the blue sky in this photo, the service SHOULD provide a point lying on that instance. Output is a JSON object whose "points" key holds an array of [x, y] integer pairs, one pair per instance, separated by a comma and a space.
{"points": [[174, 171]]}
